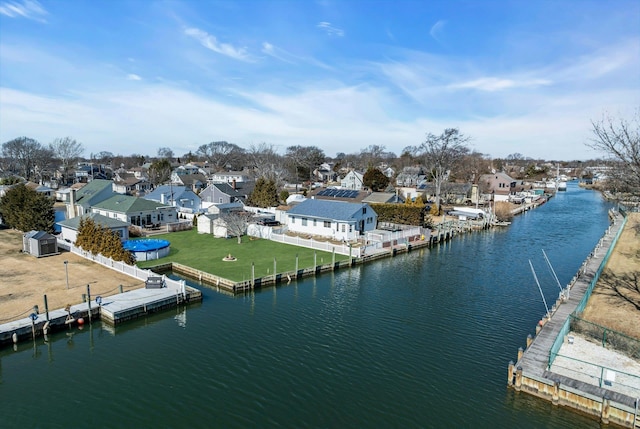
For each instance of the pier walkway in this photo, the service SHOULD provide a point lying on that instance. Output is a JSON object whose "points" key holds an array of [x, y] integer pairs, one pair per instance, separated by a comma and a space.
{"points": [[113, 309], [534, 373]]}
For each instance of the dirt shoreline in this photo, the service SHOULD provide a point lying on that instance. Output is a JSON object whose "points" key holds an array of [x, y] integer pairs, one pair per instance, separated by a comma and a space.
{"points": [[25, 279]]}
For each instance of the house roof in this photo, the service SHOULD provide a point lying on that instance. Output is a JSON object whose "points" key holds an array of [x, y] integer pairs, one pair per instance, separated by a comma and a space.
{"points": [[37, 235], [325, 209], [74, 222], [169, 191], [126, 204], [382, 197], [227, 189], [91, 189]]}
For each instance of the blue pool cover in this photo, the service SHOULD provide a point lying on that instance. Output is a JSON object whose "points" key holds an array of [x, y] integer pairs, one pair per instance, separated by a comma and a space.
{"points": [[145, 244]]}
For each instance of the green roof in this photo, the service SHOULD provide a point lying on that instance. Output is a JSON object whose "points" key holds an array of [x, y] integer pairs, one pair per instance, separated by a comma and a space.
{"points": [[128, 204], [74, 222]]}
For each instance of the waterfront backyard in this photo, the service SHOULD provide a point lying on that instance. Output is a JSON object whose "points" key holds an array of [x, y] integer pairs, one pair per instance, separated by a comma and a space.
{"points": [[206, 253]]}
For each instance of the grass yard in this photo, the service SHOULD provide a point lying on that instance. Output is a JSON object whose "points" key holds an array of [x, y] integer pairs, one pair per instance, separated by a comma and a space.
{"points": [[205, 253]]}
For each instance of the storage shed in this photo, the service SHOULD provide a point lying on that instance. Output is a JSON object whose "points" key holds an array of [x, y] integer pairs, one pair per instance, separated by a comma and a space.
{"points": [[39, 244]]}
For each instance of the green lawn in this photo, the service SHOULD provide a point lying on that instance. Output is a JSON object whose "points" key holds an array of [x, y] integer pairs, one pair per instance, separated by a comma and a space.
{"points": [[205, 253]]}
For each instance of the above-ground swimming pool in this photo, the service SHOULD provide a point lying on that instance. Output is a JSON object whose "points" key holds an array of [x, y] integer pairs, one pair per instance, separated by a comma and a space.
{"points": [[147, 249]]}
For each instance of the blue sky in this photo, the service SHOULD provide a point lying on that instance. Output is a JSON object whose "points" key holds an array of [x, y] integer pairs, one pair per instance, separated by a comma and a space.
{"points": [[131, 76]]}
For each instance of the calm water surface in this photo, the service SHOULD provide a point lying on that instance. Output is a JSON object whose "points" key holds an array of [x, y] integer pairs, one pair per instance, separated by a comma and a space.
{"points": [[420, 340]]}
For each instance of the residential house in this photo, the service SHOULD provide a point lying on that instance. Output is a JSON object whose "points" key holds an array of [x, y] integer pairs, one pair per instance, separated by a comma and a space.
{"points": [[81, 200], [220, 193], [196, 181], [180, 197], [229, 177], [353, 180], [335, 219], [500, 185], [128, 184], [44, 190], [410, 176], [383, 198], [324, 173], [137, 211], [69, 227]]}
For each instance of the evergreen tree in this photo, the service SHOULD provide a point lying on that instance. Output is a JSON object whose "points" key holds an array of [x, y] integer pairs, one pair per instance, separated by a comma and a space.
{"points": [[25, 209], [265, 194], [375, 180]]}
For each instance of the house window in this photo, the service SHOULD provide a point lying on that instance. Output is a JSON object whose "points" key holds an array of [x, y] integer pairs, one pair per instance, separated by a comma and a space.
{"points": [[314, 222], [343, 228], [327, 224], [364, 210], [293, 220], [304, 221], [220, 200]]}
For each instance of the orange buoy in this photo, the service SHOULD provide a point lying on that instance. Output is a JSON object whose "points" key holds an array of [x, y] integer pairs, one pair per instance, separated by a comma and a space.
{"points": [[80, 321]]}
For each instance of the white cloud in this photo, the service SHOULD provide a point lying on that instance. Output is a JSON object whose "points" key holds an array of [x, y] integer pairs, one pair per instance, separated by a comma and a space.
{"points": [[330, 29], [133, 76], [491, 84], [437, 30], [209, 41], [29, 9]]}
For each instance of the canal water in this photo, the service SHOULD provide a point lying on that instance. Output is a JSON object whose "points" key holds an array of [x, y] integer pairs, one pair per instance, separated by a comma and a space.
{"points": [[421, 340]]}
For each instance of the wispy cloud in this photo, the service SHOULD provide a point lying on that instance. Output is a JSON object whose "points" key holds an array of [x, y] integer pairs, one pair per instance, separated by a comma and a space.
{"points": [[491, 84], [29, 9], [437, 30], [133, 76], [278, 53], [210, 41], [330, 29], [288, 57]]}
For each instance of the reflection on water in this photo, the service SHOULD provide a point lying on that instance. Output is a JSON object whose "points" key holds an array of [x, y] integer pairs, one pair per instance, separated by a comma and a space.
{"points": [[419, 340]]}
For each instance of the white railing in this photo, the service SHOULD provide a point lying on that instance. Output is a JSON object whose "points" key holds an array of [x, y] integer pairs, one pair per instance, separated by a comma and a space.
{"points": [[342, 249], [131, 270]]}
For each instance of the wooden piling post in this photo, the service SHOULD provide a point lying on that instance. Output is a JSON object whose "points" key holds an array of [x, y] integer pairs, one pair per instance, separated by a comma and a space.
{"points": [[46, 307], [518, 378], [606, 410], [529, 340], [555, 396], [510, 375], [89, 302], [520, 353]]}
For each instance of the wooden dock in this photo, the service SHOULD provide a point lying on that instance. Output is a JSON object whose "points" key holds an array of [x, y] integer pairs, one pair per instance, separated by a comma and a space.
{"points": [[531, 373], [114, 309]]}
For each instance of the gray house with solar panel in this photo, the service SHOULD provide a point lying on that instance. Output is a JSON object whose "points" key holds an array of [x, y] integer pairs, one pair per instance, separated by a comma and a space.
{"points": [[337, 220]]}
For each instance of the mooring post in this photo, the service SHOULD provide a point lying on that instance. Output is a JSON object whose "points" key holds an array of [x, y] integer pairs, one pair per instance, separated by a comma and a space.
{"points": [[520, 353], [46, 307], [315, 260], [274, 269], [333, 258], [518, 378], [555, 396], [253, 274], [89, 301], [510, 375], [606, 409], [529, 340], [296, 265]]}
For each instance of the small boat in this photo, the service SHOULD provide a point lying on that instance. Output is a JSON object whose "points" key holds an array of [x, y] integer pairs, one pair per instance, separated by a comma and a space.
{"points": [[562, 185], [501, 223]]}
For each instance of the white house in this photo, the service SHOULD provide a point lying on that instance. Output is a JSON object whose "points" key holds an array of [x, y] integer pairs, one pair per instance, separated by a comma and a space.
{"points": [[69, 227], [137, 211], [336, 219], [353, 181]]}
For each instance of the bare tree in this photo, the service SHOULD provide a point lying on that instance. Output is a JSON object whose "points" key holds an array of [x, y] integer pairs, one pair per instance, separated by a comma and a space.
{"points": [[372, 155], [619, 140], [221, 155], [165, 153], [441, 154], [236, 222], [67, 150], [266, 162], [303, 160], [28, 156]]}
